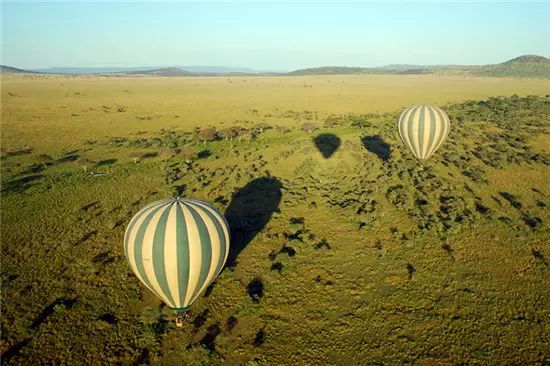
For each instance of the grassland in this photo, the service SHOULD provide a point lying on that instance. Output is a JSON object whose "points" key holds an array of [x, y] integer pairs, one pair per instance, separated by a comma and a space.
{"points": [[346, 250], [71, 110]]}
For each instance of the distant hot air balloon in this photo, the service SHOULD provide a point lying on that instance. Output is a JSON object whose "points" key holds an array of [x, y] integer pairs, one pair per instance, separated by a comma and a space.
{"points": [[423, 128], [177, 247]]}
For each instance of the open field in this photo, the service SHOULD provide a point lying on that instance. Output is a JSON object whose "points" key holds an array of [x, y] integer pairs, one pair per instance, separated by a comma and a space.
{"points": [[70, 110], [345, 250]]}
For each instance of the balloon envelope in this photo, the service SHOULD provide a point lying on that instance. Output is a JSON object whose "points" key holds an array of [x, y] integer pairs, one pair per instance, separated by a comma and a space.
{"points": [[423, 128], [177, 247]]}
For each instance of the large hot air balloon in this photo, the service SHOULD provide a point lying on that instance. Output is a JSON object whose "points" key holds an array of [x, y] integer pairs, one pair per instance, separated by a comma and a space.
{"points": [[177, 247], [423, 128]]}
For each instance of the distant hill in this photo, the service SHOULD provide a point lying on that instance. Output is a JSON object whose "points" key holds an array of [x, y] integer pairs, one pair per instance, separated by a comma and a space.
{"points": [[523, 66], [219, 70], [90, 70], [167, 71], [330, 70], [14, 70], [115, 70], [199, 71], [343, 70]]}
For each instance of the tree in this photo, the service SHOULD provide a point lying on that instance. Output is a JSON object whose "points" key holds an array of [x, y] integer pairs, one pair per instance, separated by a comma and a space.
{"points": [[165, 154], [360, 123], [261, 127], [229, 133], [189, 154], [241, 131], [84, 163], [283, 129], [208, 134], [309, 127], [331, 121], [44, 160], [135, 157]]}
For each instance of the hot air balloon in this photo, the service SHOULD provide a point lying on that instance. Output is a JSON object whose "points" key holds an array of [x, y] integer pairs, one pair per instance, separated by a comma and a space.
{"points": [[177, 247], [423, 128]]}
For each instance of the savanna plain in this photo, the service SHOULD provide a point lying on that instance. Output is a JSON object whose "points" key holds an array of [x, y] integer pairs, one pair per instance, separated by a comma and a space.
{"points": [[345, 250]]}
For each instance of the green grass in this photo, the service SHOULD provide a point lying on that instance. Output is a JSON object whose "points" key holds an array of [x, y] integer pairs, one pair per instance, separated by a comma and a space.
{"points": [[380, 261]]}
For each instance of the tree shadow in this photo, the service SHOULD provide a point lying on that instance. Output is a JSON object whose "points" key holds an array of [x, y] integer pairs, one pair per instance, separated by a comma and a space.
{"points": [[249, 212], [106, 162], [14, 350], [68, 158], [511, 199], [209, 339], [50, 309], [255, 289], [376, 145], [231, 323], [148, 155], [327, 144], [200, 319], [204, 154], [21, 184], [259, 339], [537, 253], [109, 318]]}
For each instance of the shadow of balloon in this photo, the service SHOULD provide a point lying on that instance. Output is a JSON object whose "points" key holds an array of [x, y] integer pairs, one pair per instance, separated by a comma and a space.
{"points": [[376, 145], [249, 212], [327, 144]]}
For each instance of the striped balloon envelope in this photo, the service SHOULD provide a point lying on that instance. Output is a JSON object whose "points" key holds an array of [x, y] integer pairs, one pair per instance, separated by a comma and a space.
{"points": [[423, 128], [177, 247]]}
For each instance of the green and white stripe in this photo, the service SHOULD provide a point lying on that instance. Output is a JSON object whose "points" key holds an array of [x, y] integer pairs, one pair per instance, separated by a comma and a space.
{"points": [[177, 247], [423, 128]]}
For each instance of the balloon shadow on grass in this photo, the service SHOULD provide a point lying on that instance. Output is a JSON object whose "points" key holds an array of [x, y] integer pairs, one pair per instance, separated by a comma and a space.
{"points": [[249, 212], [376, 145], [327, 144]]}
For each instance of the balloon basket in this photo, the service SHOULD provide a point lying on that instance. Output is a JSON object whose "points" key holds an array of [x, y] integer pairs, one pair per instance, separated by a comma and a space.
{"points": [[181, 317]]}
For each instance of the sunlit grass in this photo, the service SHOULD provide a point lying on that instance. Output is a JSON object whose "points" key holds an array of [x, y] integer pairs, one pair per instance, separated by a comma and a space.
{"points": [[368, 257]]}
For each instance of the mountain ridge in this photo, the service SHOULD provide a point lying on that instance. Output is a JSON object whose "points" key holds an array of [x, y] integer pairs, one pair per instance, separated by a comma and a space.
{"points": [[14, 70], [521, 66]]}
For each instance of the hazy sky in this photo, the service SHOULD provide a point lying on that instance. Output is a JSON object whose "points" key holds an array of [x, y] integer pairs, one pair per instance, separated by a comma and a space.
{"points": [[269, 36]]}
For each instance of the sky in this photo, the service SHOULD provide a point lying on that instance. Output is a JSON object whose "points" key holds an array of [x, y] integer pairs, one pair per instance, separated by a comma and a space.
{"points": [[270, 36]]}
